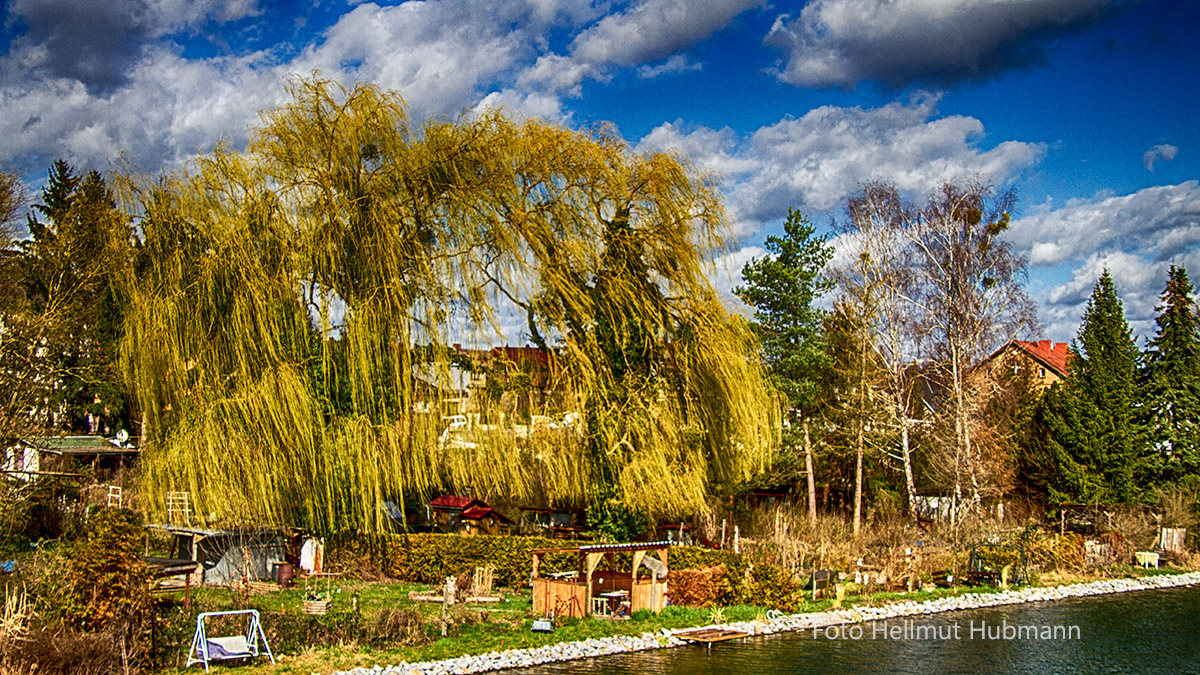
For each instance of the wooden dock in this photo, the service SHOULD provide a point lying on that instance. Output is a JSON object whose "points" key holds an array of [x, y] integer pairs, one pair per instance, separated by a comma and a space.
{"points": [[711, 635]]}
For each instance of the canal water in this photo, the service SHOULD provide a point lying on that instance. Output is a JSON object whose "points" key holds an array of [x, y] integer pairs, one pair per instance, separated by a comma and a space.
{"points": [[1140, 632]]}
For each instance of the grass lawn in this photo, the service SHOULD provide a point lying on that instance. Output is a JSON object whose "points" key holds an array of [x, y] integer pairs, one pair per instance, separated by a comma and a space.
{"points": [[475, 629]]}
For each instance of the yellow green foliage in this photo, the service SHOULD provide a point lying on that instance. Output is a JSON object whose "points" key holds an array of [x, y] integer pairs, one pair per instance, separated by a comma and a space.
{"points": [[698, 576], [105, 583], [292, 305]]}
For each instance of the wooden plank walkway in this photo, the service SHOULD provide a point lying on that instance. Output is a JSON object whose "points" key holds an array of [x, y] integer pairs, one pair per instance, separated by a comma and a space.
{"points": [[711, 635]]}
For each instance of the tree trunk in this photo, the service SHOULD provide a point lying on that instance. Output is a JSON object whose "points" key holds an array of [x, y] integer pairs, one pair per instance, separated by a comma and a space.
{"points": [[858, 479], [812, 481], [909, 483]]}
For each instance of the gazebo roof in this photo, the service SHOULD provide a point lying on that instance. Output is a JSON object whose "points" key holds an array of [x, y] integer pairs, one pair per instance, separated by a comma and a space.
{"points": [[606, 548]]}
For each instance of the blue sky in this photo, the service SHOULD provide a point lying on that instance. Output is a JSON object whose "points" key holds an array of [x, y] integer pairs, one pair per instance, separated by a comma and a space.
{"points": [[1088, 108]]}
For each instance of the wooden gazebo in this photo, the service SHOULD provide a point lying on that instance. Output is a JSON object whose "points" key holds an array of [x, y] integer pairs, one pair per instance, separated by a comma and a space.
{"points": [[605, 591]]}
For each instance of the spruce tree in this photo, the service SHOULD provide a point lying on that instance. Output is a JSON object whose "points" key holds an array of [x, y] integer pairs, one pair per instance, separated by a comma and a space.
{"points": [[1104, 375], [1081, 438], [79, 248], [1170, 388]]}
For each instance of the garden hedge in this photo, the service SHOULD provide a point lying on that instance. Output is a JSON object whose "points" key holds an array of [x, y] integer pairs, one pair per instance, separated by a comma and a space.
{"points": [[430, 558]]}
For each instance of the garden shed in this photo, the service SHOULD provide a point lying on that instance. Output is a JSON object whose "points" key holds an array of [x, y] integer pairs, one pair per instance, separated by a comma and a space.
{"points": [[593, 589], [226, 556]]}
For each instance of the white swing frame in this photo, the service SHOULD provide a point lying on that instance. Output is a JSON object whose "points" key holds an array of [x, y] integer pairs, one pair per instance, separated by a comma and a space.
{"points": [[244, 646]]}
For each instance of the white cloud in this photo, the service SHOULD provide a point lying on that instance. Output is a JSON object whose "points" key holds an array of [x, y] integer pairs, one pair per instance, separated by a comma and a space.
{"points": [[648, 32], [654, 29], [558, 74], [677, 63], [171, 109], [1136, 237], [437, 55], [726, 274], [814, 162], [1161, 151], [97, 43], [442, 57], [839, 43], [1138, 281], [1158, 222], [527, 105]]}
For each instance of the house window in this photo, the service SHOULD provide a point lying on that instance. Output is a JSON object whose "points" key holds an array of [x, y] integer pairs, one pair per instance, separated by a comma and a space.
{"points": [[1041, 372]]}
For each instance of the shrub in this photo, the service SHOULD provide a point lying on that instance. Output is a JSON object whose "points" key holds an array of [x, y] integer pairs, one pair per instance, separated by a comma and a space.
{"points": [[773, 588], [292, 633], [65, 651], [701, 588], [430, 558], [107, 575], [399, 626]]}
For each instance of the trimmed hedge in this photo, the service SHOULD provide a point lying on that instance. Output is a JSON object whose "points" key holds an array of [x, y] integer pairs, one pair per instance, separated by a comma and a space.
{"points": [[430, 558]]}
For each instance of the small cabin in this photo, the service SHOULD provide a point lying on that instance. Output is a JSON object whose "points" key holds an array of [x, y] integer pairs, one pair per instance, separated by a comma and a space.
{"points": [[467, 515], [597, 587], [26, 459], [556, 523]]}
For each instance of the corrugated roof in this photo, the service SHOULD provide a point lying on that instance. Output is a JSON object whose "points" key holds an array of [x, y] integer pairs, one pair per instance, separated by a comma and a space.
{"points": [[603, 548], [78, 445]]}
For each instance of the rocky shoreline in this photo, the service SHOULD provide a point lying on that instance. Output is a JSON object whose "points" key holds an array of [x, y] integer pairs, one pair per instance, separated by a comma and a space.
{"points": [[568, 651]]}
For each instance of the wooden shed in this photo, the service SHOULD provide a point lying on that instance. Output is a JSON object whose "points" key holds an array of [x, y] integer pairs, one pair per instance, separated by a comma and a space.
{"points": [[605, 591]]}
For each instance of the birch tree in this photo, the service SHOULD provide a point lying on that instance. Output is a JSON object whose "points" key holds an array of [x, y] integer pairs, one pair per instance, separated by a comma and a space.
{"points": [[970, 292], [876, 276]]}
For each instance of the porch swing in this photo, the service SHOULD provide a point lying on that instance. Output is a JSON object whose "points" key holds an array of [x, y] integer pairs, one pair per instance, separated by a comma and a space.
{"points": [[205, 649]]}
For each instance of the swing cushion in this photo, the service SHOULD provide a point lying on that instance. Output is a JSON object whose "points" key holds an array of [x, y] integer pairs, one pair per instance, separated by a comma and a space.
{"points": [[233, 647]]}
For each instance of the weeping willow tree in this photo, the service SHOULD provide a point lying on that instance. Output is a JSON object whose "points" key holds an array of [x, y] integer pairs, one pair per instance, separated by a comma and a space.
{"points": [[293, 304]]}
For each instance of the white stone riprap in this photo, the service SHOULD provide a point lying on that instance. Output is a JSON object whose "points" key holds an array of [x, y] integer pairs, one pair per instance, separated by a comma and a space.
{"points": [[568, 651]]}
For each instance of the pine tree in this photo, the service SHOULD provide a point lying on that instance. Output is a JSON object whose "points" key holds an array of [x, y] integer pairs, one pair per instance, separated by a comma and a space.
{"points": [[783, 288], [1170, 387], [73, 265]]}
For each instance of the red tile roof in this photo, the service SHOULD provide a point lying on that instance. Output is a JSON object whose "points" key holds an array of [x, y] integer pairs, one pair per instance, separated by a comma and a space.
{"points": [[480, 512], [1054, 354], [455, 502]]}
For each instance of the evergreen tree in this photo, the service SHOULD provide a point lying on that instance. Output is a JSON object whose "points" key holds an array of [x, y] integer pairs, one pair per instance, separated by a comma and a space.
{"points": [[80, 247], [1170, 387], [1105, 374], [783, 287], [1083, 439], [1058, 453]]}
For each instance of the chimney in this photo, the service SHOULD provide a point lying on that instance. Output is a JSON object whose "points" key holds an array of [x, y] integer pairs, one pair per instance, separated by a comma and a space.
{"points": [[1045, 344], [1060, 347]]}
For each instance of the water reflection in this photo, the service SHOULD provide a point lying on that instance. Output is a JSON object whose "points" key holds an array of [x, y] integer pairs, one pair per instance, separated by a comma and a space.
{"points": [[1143, 632]]}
